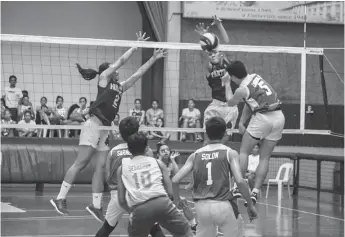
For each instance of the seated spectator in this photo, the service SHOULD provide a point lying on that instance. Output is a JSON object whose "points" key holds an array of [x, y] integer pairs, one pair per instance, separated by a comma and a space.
{"points": [[115, 124], [154, 113], [42, 117], [137, 112], [60, 111], [253, 162], [157, 135], [25, 106], [3, 108], [27, 132], [7, 132], [75, 116], [12, 96], [25, 93], [83, 109], [191, 119]]}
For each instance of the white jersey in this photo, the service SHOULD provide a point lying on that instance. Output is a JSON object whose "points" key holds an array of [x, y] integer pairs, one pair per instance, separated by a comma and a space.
{"points": [[142, 178]]}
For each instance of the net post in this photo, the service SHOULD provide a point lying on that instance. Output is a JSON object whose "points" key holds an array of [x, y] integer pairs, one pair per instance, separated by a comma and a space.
{"points": [[303, 89]]}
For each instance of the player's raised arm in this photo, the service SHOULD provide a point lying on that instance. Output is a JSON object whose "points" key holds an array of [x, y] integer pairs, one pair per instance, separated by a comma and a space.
{"points": [[186, 168], [106, 74], [232, 98], [166, 178], [223, 33], [121, 191], [158, 54]]}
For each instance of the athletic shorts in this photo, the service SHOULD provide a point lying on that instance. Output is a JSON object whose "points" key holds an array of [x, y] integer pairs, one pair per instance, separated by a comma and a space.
{"points": [[161, 210], [90, 136], [268, 125], [114, 211], [221, 109], [213, 213]]}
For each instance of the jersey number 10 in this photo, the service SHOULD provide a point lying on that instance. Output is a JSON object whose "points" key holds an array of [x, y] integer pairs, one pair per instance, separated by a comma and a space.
{"points": [[142, 179]]}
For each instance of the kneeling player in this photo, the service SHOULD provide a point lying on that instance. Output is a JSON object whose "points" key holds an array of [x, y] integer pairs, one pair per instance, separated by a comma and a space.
{"points": [[144, 190], [267, 120], [127, 127], [211, 166]]}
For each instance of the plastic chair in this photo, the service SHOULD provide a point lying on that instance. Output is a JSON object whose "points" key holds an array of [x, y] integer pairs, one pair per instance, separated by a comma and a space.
{"points": [[288, 167]]}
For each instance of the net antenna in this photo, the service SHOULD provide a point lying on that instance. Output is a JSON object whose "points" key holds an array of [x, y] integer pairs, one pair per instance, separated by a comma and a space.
{"points": [[303, 51]]}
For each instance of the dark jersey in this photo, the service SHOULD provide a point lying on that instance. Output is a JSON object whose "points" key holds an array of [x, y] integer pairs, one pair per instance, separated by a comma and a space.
{"points": [[114, 162], [107, 103], [211, 173], [218, 91]]}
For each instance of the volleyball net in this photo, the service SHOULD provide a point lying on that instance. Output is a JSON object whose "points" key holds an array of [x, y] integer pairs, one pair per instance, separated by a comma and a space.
{"points": [[46, 66]]}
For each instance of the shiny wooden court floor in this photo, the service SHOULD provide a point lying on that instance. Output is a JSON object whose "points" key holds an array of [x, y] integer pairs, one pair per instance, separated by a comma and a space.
{"points": [[26, 213]]}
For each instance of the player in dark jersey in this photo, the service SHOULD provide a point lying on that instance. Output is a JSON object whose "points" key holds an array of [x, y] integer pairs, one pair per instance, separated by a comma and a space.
{"points": [[92, 140], [267, 120], [211, 166], [127, 127], [218, 60]]}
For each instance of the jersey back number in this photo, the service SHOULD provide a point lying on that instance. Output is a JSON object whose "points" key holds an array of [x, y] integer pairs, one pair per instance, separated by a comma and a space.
{"points": [[258, 81], [116, 101], [209, 173], [142, 179]]}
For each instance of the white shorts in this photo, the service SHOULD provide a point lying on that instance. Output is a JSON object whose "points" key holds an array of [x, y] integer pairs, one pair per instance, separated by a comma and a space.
{"points": [[221, 109], [114, 211], [268, 125], [213, 213], [90, 136]]}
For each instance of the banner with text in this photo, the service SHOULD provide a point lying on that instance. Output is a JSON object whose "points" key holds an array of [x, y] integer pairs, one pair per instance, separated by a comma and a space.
{"points": [[288, 11]]}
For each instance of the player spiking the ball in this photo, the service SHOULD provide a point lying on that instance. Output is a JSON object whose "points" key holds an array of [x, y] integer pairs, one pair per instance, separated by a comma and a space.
{"points": [[217, 60], [262, 107]]}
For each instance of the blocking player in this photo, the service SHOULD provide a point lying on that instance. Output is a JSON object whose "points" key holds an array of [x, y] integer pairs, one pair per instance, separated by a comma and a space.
{"points": [[92, 140], [218, 60], [144, 190], [211, 166], [127, 127], [267, 120], [168, 158]]}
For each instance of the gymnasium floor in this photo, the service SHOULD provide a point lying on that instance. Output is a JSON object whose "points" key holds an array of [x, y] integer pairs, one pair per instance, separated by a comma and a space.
{"points": [[26, 213]]}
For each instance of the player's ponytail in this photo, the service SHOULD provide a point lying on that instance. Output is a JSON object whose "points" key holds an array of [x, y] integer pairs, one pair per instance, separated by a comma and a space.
{"points": [[89, 74]]}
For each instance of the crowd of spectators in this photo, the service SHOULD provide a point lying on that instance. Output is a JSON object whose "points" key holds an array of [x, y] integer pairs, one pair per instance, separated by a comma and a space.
{"points": [[16, 108]]}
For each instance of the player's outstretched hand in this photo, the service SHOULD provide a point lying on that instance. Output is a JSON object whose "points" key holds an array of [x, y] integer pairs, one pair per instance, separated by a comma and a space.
{"points": [[160, 53], [252, 212], [141, 36], [216, 21], [174, 155], [226, 77], [200, 29]]}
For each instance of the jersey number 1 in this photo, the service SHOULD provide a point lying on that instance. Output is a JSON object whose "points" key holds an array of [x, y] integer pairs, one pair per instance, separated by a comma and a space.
{"points": [[209, 173], [142, 179]]}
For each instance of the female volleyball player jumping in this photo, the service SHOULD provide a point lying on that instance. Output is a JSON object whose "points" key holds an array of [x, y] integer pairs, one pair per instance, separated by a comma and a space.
{"points": [[267, 120], [218, 60], [102, 112]]}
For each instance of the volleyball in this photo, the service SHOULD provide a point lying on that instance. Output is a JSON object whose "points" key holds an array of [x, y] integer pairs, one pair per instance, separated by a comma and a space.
{"points": [[209, 41]]}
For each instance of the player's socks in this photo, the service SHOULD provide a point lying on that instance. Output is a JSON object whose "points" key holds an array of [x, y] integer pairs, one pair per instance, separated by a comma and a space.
{"points": [[65, 187], [236, 192], [192, 222], [105, 230], [97, 200], [255, 190]]}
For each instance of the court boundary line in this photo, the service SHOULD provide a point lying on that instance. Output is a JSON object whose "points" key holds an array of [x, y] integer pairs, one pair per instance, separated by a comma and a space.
{"points": [[291, 209]]}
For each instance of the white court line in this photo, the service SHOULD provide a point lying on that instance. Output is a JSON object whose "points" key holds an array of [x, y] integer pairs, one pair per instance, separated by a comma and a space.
{"points": [[296, 210], [35, 218], [124, 235]]}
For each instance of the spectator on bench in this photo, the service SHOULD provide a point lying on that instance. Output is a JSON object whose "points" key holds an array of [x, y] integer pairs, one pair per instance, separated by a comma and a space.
{"points": [[137, 112], [115, 124], [253, 162], [3, 108], [7, 132], [25, 93], [157, 135], [153, 114], [191, 119], [27, 132], [25, 106]]}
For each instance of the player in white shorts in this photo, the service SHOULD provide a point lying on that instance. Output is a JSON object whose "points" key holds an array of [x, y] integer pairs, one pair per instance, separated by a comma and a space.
{"points": [[127, 127], [267, 120], [144, 187], [211, 166], [218, 60]]}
